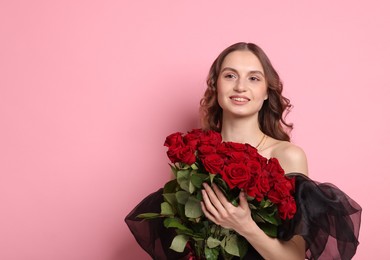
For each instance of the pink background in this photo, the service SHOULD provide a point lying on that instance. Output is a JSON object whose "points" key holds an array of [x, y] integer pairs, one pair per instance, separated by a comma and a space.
{"points": [[90, 89]]}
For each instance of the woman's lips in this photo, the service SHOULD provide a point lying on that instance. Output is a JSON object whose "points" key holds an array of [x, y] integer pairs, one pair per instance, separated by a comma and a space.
{"points": [[239, 99]]}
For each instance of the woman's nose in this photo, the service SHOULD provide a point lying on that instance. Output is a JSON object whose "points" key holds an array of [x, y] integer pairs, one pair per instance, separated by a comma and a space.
{"points": [[240, 86]]}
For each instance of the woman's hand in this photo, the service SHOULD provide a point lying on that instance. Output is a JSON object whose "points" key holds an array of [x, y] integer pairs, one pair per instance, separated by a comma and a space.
{"points": [[219, 210]]}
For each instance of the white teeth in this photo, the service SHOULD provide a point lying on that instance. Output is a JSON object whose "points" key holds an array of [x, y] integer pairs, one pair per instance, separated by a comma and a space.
{"points": [[239, 99]]}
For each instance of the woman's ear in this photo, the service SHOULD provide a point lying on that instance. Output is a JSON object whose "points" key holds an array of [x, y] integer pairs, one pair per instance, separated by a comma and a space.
{"points": [[266, 95]]}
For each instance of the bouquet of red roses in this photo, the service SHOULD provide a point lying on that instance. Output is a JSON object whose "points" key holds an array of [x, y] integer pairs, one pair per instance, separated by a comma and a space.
{"points": [[201, 156]]}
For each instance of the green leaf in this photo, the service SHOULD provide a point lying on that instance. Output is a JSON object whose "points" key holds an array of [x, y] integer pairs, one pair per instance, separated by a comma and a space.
{"points": [[191, 187], [269, 217], [220, 182], [194, 166], [269, 229], [257, 218], [235, 202], [225, 231], [175, 223], [249, 198], [198, 237], [185, 166], [212, 242], [197, 179], [268, 203], [174, 169], [185, 185], [189, 232], [184, 173], [242, 246], [170, 186], [166, 209], [182, 196], [183, 178], [230, 244], [181, 211], [149, 215], [193, 208], [211, 253], [212, 176], [213, 228], [170, 198], [199, 195], [179, 243], [252, 207]]}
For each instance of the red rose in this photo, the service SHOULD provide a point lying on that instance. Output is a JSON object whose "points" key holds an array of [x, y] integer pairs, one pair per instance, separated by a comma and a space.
{"points": [[273, 166], [276, 172], [213, 163], [173, 154], [275, 196], [236, 146], [251, 189], [187, 155], [210, 138], [254, 155], [287, 208], [222, 149], [283, 187], [193, 138], [255, 170], [196, 132], [292, 182], [174, 140], [262, 185], [237, 157], [236, 175], [206, 149], [255, 167]]}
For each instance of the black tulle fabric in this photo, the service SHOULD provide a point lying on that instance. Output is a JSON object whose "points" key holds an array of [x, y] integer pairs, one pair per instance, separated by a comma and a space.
{"points": [[327, 218]]}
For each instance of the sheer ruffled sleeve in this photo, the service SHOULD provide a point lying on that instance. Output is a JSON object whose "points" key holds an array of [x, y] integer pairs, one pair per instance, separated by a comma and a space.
{"points": [[327, 218], [151, 235]]}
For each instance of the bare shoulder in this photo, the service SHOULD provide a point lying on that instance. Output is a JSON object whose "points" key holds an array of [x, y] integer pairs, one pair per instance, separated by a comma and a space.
{"points": [[291, 157]]}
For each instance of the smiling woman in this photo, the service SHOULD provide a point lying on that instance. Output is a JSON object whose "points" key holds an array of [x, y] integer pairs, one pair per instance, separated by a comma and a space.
{"points": [[276, 106], [243, 107], [241, 85]]}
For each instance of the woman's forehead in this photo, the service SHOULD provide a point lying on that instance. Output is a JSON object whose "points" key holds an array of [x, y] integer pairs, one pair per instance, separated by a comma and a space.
{"points": [[242, 60]]}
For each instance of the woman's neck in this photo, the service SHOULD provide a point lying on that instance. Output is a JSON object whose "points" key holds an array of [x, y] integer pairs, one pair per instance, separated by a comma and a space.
{"points": [[241, 130]]}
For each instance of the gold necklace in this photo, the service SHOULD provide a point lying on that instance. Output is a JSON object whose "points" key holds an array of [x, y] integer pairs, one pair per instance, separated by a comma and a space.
{"points": [[264, 138]]}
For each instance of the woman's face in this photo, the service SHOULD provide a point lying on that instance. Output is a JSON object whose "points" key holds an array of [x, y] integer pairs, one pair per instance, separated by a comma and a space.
{"points": [[241, 85]]}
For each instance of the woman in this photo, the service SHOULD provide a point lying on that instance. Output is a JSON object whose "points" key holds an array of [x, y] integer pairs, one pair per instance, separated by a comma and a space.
{"points": [[244, 102]]}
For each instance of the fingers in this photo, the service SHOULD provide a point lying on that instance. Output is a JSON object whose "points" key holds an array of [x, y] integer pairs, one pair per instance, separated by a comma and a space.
{"points": [[207, 213], [243, 202], [208, 208], [219, 210], [217, 200], [221, 197]]}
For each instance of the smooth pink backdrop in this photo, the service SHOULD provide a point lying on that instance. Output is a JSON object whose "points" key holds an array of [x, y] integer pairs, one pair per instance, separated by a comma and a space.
{"points": [[90, 89]]}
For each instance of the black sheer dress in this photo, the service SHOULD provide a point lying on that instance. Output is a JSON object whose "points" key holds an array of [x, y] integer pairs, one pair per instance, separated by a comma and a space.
{"points": [[327, 218]]}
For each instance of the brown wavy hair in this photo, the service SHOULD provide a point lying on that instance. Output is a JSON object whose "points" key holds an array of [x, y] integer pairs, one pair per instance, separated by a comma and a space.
{"points": [[274, 110]]}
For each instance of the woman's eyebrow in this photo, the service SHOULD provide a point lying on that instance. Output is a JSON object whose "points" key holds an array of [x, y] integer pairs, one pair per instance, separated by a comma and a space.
{"points": [[250, 72]]}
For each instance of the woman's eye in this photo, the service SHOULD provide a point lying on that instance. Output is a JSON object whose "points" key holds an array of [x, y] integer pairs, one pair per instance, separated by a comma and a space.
{"points": [[254, 78], [230, 76]]}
